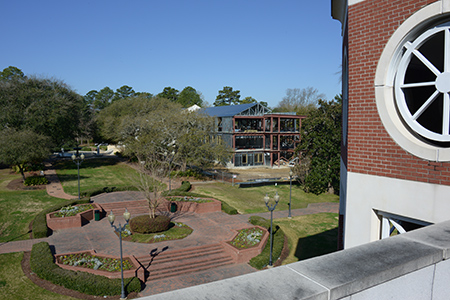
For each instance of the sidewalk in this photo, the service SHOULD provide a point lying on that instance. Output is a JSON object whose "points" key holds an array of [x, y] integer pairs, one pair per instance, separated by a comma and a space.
{"points": [[55, 188], [208, 228]]}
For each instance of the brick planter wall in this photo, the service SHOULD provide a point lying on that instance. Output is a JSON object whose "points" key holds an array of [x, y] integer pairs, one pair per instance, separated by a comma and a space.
{"points": [[244, 255], [135, 272], [55, 223]]}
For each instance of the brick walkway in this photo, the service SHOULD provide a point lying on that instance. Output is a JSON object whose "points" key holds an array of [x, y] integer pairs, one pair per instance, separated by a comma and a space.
{"points": [[208, 228]]}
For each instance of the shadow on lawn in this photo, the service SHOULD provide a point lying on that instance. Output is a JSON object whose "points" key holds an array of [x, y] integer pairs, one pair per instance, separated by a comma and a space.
{"points": [[68, 164], [318, 244]]}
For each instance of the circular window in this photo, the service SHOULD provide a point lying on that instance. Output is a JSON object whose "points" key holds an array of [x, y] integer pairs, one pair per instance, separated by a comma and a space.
{"points": [[422, 84], [412, 84]]}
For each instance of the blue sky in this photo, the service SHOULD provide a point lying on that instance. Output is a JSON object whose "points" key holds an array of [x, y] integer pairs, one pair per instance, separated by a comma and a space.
{"points": [[258, 47]]}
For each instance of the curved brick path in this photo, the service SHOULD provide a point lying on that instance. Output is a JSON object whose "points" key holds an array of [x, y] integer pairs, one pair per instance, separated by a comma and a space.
{"points": [[208, 228]]}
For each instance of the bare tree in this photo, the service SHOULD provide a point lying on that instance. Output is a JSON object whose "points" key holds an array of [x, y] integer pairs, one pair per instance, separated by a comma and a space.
{"points": [[300, 100], [147, 181]]}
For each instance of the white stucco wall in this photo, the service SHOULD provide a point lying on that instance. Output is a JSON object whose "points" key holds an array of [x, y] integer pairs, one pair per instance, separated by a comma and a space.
{"points": [[367, 193]]}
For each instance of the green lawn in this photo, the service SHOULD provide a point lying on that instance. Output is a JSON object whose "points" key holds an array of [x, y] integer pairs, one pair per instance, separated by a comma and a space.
{"points": [[94, 173], [251, 200], [310, 235], [18, 208], [15, 285]]}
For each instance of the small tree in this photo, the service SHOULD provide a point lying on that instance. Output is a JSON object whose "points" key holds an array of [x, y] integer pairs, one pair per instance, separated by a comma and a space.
{"points": [[147, 182], [21, 147]]}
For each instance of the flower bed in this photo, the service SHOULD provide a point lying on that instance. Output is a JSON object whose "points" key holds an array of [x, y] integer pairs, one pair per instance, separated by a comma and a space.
{"points": [[105, 265], [246, 243], [65, 219], [191, 204], [247, 238], [70, 211]]}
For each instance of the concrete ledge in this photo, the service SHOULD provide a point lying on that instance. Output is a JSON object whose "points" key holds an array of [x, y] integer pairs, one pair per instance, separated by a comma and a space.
{"points": [[411, 265]]}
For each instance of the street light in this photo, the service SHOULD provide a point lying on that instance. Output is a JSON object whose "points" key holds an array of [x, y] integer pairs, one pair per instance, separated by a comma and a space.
{"points": [[290, 191], [119, 230], [271, 209], [78, 159]]}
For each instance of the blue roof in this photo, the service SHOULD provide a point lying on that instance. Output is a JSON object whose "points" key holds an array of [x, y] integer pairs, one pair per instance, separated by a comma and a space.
{"points": [[227, 110]]}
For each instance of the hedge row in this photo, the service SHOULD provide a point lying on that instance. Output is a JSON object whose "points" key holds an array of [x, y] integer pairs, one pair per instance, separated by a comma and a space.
{"points": [[40, 229], [42, 263], [262, 260], [107, 189]]}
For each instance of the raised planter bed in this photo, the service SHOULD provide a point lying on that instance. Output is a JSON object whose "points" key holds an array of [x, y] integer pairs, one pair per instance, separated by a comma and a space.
{"points": [[136, 271], [55, 223], [243, 255], [212, 205]]}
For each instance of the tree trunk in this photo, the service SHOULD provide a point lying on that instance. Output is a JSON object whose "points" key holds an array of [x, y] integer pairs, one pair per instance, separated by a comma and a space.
{"points": [[21, 172]]}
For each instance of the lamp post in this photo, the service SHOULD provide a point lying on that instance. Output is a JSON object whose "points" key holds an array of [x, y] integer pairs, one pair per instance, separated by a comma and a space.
{"points": [[119, 230], [290, 191], [78, 159], [271, 209]]}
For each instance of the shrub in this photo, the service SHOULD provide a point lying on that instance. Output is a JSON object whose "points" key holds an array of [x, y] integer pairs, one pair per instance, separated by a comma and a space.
{"points": [[42, 263], [35, 180], [40, 229], [86, 148], [183, 190], [106, 189], [262, 260], [145, 224], [228, 209]]}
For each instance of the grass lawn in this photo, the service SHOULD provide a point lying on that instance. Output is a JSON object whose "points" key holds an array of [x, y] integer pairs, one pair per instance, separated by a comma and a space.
{"points": [[18, 208], [15, 285], [94, 173], [251, 200], [310, 235]]}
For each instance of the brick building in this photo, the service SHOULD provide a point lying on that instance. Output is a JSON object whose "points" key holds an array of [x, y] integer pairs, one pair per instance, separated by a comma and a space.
{"points": [[395, 154]]}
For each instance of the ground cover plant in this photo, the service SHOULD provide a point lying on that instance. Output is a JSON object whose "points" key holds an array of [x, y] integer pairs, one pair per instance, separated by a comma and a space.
{"points": [[251, 200], [310, 235], [42, 264], [247, 238], [262, 260], [176, 231], [86, 260], [72, 210], [14, 285], [95, 174]]}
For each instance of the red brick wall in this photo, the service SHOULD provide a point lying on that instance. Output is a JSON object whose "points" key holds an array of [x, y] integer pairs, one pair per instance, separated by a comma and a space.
{"points": [[370, 148]]}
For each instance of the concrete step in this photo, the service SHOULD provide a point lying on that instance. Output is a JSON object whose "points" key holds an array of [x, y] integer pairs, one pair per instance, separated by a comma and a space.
{"points": [[184, 261]]}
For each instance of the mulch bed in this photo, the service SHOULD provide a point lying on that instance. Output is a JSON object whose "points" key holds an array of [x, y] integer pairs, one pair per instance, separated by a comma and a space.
{"points": [[59, 289], [17, 185]]}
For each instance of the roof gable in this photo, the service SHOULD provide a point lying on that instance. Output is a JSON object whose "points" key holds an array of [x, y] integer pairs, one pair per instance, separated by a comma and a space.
{"points": [[249, 109]]}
